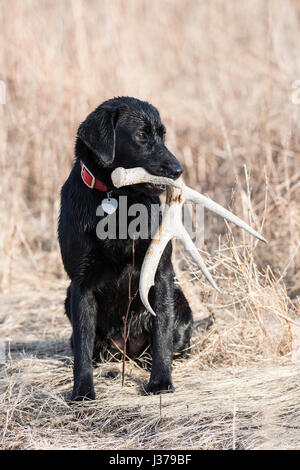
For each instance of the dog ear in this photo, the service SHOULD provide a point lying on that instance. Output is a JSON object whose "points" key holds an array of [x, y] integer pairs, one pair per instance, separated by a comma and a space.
{"points": [[98, 133]]}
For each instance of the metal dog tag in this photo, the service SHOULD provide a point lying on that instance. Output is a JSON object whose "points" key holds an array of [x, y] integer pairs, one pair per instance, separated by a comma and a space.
{"points": [[109, 205]]}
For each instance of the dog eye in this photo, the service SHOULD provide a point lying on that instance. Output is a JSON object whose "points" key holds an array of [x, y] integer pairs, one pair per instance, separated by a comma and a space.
{"points": [[141, 136]]}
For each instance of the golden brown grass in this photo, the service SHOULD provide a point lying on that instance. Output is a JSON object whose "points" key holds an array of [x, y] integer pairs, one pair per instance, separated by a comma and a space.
{"points": [[221, 74]]}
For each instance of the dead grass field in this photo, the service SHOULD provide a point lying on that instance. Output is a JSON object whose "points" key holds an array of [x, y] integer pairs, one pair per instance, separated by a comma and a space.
{"points": [[221, 74]]}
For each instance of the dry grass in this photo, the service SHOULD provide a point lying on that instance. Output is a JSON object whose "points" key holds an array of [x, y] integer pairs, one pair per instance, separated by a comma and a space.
{"points": [[221, 74]]}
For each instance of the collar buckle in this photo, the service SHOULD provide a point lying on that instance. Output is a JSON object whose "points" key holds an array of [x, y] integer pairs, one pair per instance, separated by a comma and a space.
{"points": [[93, 179]]}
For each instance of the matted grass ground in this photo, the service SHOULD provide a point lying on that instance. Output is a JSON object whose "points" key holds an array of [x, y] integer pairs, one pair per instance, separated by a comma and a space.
{"points": [[220, 402]]}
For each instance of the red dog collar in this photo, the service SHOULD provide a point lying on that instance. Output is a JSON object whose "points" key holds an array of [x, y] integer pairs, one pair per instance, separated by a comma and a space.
{"points": [[89, 179]]}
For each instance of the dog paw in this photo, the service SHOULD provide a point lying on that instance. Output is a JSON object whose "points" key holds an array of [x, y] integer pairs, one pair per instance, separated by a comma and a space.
{"points": [[79, 398], [158, 387], [81, 395]]}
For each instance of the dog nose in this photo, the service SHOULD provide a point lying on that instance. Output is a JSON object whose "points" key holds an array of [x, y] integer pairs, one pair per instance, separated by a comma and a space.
{"points": [[174, 171], [164, 163]]}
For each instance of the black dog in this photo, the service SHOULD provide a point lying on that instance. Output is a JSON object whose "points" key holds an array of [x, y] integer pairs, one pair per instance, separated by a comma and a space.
{"points": [[122, 132]]}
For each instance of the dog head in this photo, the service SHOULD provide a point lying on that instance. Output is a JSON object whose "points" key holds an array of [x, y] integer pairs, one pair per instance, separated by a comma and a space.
{"points": [[127, 132]]}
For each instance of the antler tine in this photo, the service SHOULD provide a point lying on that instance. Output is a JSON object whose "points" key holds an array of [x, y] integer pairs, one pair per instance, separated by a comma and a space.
{"points": [[150, 263], [194, 196], [194, 253], [168, 229]]}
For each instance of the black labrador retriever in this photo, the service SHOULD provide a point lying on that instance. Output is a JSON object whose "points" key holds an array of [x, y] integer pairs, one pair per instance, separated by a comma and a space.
{"points": [[129, 133]]}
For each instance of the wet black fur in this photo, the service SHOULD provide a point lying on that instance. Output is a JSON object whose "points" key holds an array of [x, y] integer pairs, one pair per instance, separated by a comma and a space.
{"points": [[121, 132]]}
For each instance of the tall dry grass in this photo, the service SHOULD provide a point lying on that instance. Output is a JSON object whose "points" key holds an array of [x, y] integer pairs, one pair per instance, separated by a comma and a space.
{"points": [[221, 74]]}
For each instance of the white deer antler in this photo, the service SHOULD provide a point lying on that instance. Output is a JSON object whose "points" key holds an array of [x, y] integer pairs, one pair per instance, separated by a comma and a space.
{"points": [[177, 194]]}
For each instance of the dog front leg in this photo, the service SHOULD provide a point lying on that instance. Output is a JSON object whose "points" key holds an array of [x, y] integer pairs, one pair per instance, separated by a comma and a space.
{"points": [[83, 316], [163, 327]]}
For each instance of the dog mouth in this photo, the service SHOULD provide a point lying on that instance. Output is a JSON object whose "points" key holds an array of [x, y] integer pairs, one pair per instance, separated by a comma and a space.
{"points": [[154, 188], [149, 189], [160, 187]]}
